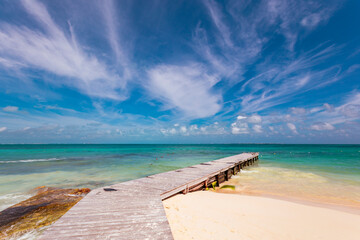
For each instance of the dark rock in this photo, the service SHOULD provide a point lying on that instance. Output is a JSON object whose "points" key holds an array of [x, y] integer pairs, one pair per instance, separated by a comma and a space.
{"points": [[41, 210]]}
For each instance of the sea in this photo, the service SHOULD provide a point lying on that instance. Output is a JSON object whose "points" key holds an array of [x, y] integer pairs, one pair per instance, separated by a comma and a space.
{"points": [[320, 173]]}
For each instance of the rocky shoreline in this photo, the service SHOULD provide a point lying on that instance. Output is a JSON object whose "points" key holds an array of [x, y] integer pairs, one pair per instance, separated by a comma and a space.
{"points": [[45, 207]]}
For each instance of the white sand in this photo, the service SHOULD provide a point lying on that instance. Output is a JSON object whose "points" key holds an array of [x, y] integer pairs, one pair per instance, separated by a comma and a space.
{"points": [[208, 215]]}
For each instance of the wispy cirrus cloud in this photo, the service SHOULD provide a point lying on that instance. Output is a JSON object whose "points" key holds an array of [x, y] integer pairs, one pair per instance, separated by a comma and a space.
{"points": [[347, 111], [11, 109], [56, 52], [217, 18], [113, 25], [254, 27], [279, 83]]}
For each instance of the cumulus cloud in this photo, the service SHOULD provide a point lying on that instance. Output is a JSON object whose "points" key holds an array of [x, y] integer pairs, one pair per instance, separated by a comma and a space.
{"points": [[254, 119], [257, 128], [185, 88], [183, 129], [239, 128], [322, 126], [241, 125], [193, 127], [11, 109], [273, 130], [292, 127]]}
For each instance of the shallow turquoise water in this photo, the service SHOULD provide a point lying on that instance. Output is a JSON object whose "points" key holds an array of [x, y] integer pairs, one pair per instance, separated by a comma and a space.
{"points": [[23, 167]]}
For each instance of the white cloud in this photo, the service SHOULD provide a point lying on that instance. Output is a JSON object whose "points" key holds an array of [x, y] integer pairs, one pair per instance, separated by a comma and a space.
{"points": [[278, 84], [112, 26], [257, 128], [311, 21], [351, 108], [217, 18], [11, 109], [241, 45], [292, 127], [193, 127], [185, 88], [328, 107], [322, 126], [316, 109], [241, 117], [172, 131], [239, 128], [192, 130], [298, 111], [183, 129], [51, 50], [250, 23], [168, 131], [254, 119], [3, 129], [273, 130]]}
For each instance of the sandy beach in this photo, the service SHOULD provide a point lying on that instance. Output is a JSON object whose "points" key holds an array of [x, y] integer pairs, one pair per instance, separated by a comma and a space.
{"points": [[211, 215]]}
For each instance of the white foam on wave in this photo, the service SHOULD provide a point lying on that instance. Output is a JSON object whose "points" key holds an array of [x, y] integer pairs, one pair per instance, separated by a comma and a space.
{"points": [[33, 160], [249, 171], [10, 199], [30, 235]]}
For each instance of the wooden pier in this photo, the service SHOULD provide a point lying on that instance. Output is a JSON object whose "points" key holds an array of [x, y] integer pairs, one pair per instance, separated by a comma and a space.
{"points": [[134, 209]]}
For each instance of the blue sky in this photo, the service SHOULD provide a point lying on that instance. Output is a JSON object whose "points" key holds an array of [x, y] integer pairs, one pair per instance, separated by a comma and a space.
{"points": [[271, 71]]}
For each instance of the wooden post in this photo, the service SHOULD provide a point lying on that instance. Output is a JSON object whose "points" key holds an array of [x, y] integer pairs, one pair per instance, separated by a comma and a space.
{"points": [[217, 180], [186, 190]]}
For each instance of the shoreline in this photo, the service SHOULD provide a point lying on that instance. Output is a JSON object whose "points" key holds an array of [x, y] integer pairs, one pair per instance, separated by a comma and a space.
{"points": [[239, 216], [303, 201]]}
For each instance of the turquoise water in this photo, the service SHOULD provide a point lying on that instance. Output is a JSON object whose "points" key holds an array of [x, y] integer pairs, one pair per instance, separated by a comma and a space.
{"points": [[23, 167]]}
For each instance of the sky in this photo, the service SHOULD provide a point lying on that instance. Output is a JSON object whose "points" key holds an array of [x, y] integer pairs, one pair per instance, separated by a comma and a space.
{"points": [[264, 71]]}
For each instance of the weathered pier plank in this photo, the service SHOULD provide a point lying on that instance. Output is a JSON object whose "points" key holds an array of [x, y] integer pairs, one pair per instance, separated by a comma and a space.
{"points": [[134, 209]]}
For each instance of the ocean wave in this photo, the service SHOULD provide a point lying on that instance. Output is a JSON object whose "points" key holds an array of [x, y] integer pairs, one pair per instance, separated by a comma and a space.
{"points": [[33, 160], [249, 171], [10, 199]]}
